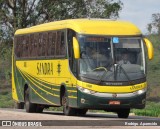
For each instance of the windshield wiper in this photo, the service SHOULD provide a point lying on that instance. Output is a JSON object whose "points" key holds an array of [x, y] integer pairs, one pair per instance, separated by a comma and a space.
{"points": [[105, 72], [121, 68], [117, 68]]}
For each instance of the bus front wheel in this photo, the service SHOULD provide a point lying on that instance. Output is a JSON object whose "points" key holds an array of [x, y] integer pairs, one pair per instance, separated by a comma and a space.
{"points": [[30, 107], [81, 112], [68, 111], [123, 113], [39, 108]]}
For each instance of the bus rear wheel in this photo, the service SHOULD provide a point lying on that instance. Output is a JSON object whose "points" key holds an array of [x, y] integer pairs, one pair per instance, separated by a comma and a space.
{"points": [[123, 113], [30, 107], [68, 111], [19, 105]]}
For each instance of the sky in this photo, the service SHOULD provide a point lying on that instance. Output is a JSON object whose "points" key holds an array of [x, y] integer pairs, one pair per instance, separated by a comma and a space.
{"points": [[139, 12]]}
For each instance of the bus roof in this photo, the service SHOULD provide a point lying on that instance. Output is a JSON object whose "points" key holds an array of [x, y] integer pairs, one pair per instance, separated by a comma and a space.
{"points": [[86, 26]]}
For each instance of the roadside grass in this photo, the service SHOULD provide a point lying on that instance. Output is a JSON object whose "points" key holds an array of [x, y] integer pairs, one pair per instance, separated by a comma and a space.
{"points": [[152, 109], [153, 66], [6, 100]]}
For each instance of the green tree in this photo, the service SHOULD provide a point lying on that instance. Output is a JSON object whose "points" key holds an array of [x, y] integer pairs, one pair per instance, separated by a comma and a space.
{"points": [[17, 14], [149, 28], [14, 14], [64, 9], [155, 24]]}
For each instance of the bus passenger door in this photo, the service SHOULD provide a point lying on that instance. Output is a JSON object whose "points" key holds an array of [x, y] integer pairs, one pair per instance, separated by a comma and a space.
{"points": [[72, 87]]}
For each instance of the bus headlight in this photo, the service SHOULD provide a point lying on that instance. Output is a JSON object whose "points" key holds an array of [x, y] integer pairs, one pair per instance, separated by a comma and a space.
{"points": [[138, 92], [87, 91]]}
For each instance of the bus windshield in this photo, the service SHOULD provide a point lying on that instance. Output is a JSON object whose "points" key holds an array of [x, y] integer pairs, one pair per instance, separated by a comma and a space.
{"points": [[111, 58]]}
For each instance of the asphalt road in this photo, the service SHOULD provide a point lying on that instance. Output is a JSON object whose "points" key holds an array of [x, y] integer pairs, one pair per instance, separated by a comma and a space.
{"points": [[50, 119]]}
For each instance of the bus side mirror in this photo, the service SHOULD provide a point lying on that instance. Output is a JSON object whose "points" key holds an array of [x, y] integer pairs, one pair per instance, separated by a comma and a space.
{"points": [[149, 48], [76, 48]]}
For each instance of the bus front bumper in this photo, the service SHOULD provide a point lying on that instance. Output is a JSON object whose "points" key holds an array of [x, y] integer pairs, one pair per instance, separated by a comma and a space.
{"points": [[109, 101]]}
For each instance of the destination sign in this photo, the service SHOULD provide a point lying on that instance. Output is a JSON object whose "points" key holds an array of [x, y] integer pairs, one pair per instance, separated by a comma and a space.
{"points": [[96, 39]]}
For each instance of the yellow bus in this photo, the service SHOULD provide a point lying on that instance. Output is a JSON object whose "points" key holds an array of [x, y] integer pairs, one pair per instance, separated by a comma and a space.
{"points": [[80, 64]]}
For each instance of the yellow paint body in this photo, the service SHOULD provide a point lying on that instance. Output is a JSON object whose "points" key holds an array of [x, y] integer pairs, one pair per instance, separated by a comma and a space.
{"points": [[87, 26]]}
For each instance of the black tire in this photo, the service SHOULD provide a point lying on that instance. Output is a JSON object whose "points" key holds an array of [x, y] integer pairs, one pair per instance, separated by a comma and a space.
{"points": [[39, 108], [30, 107], [124, 113], [68, 111], [81, 112], [19, 105]]}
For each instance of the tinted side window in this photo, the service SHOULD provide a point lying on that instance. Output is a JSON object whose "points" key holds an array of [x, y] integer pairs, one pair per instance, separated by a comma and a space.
{"points": [[49, 45], [27, 45], [23, 46], [40, 44], [19, 46], [44, 44], [32, 45], [36, 44], [60, 44], [16, 46], [53, 43]]}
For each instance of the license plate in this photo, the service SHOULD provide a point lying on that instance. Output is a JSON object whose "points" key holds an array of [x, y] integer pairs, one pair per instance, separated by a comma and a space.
{"points": [[114, 102]]}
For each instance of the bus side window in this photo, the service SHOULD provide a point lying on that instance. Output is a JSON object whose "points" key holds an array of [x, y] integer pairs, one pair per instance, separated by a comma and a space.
{"points": [[29, 46], [43, 44], [62, 45], [40, 42], [35, 45], [46, 46], [16, 46], [53, 43], [49, 43], [32, 45], [20, 46], [26, 46], [23, 46], [58, 42], [27, 41], [49, 46]]}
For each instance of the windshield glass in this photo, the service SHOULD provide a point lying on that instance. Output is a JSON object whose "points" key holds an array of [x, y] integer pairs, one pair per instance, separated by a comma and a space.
{"points": [[95, 53], [111, 58], [129, 57]]}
